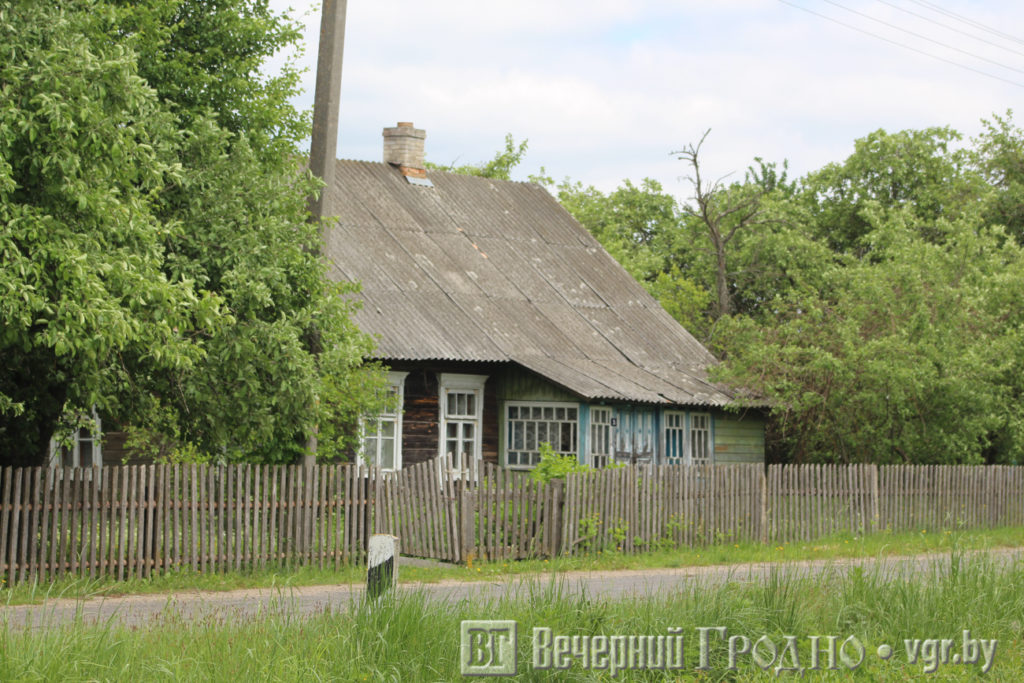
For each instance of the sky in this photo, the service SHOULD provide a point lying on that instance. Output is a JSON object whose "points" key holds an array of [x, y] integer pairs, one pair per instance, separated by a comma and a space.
{"points": [[605, 91]]}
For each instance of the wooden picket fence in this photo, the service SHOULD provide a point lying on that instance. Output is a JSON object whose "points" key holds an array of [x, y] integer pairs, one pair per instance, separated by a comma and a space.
{"points": [[644, 508], [135, 521], [484, 511], [810, 501]]}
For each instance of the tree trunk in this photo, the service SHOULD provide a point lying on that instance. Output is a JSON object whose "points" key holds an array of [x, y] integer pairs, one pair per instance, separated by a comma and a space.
{"points": [[721, 280]]}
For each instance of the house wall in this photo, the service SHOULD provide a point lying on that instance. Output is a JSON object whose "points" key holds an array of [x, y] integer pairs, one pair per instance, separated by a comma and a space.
{"points": [[738, 438], [735, 438], [517, 384], [115, 453], [421, 419], [639, 428]]}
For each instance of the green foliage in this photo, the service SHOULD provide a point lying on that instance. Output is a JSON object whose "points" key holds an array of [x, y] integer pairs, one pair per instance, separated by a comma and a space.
{"points": [[998, 154], [875, 304], [918, 170], [157, 259], [907, 346], [84, 147], [499, 168], [641, 227], [554, 465], [209, 58], [347, 397]]}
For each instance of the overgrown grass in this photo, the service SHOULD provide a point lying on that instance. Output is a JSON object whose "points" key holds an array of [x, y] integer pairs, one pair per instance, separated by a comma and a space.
{"points": [[414, 639], [834, 547]]}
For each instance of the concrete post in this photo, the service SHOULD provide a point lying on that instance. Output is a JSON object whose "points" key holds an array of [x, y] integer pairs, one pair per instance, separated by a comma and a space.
{"points": [[381, 565], [323, 148], [327, 99]]}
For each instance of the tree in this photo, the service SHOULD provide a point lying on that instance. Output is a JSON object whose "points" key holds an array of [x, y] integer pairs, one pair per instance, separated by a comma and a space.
{"points": [[919, 170], [903, 358], [84, 145], [640, 226], [899, 340], [206, 57], [998, 154], [157, 260], [499, 168], [722, 212]]}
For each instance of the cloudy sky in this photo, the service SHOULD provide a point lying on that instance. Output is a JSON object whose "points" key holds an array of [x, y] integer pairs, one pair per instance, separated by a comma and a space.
{"points": [[606, 90]]}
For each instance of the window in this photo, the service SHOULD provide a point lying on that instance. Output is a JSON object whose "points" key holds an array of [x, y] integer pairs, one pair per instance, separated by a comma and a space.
{"points": [[687, 445], [600, 436], [382, 435], [84, 450], [528, 425], [461, 407], [700, 438], [675, 437]]}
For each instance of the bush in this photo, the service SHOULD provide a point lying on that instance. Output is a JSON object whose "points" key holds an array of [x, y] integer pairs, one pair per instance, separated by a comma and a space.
{"points": [[554, 465]]}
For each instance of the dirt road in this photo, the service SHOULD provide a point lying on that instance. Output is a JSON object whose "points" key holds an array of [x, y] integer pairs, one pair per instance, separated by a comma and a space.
{"points": [[143, 610]]}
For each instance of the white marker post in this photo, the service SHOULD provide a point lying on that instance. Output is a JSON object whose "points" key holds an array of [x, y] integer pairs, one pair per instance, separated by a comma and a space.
{"points": [[381, 565]]}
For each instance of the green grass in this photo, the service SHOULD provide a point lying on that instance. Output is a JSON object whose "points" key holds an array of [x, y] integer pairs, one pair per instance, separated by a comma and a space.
{"points": [[834, 547], [413, 639], [838, 546]]}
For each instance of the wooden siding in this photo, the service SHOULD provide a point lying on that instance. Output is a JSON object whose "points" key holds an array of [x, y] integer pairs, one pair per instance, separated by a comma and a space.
{"points": [[518, 384], [738, 439], [420, 420], [115, 451]]}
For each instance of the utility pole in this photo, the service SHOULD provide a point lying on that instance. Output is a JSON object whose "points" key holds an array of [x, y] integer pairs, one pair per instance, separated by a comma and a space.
{"points": [[327, 99], [323, 148]]}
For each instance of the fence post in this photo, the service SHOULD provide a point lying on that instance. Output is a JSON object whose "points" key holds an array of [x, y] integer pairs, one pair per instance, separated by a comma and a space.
{"points": [[467, 519], [556, 517], [874, 498], [764, 504]]}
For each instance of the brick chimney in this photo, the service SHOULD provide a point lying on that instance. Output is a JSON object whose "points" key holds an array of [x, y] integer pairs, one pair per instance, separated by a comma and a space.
{"points": [[403, 147]]}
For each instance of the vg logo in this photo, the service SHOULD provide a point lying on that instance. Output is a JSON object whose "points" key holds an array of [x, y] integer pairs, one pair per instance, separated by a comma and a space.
{"points": [[487, 647]]}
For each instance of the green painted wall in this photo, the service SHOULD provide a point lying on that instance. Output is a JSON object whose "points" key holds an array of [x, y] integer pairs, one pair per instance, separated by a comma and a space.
{"points": [[517, 384], [738, 439]]}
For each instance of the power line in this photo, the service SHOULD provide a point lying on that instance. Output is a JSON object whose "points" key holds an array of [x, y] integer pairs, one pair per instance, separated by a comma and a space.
{"points": [[967, 20], [923, 37], [904, 46], [950, 28]]}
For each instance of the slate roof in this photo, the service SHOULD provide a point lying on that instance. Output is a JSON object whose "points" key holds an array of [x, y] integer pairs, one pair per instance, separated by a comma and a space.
{"points": [[474, 269]]}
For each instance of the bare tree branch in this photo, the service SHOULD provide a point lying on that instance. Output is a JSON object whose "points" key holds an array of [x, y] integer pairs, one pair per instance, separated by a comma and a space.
{"points": [[723, 211]]}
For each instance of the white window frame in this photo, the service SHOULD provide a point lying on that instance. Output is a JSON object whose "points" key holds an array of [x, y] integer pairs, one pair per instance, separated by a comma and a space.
{"points": [[600, 432], [674, 432], [396, 384], [554, 405], [457, 383], [697, 436], [93, 436], [695, 430]]}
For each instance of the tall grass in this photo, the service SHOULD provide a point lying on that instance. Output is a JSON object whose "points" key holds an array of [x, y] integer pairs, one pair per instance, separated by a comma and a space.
{"points": [[412, 638]]}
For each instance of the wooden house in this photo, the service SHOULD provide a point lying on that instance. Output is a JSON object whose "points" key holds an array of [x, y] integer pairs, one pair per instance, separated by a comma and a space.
{"points": [[506, 325]]}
